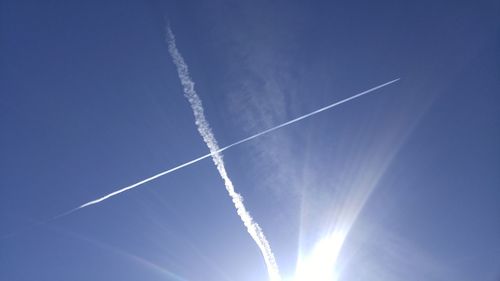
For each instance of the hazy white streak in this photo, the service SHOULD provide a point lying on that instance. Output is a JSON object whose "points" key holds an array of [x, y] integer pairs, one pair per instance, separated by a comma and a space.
{"points": [[205, 131], [309, 114]]}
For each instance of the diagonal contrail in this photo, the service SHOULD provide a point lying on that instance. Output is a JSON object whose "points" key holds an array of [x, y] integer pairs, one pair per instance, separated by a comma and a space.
{"points": [[137, 184], [206, 133], [98, 200], [211, 154]]}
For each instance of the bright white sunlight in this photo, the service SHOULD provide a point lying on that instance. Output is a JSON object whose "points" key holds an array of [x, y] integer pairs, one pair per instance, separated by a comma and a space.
{"points": [[319, 265]]}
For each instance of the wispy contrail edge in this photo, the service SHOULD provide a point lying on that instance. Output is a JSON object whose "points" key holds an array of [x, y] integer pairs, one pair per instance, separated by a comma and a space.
{"points": [[208, 136]]}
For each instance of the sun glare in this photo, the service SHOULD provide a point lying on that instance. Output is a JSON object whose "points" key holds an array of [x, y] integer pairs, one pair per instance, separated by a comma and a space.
{"points": [[320, 264]]}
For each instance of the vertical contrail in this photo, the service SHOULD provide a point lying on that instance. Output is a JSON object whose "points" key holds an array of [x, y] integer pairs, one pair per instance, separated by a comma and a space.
{"points": [[206, 132]]}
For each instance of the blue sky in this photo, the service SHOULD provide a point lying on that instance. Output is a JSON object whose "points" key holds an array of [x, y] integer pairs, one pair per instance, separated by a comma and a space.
{"points": [[90, 101]]}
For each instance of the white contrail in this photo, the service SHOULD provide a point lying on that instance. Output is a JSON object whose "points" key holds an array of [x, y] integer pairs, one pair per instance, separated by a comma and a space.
{"points": [[205, 131], [212, 153], [226, 147]]}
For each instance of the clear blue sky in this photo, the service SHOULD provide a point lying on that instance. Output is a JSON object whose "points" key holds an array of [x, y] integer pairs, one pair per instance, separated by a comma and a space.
{"points": [[90, 101]]}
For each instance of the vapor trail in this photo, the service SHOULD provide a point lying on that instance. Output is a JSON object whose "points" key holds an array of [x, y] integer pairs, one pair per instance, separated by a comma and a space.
{"points": [[226, 147], [206, 133]]}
